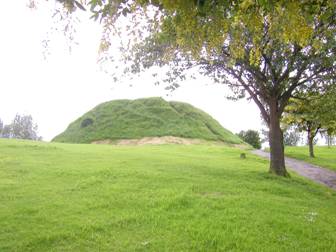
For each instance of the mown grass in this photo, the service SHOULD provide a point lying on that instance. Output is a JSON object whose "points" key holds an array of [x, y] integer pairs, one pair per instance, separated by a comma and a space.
{"points": [[324, 156], [150, 117], [65, 197]]}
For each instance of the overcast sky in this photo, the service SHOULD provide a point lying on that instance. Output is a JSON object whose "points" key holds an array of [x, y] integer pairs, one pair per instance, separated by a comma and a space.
{"points": [[57, 90]]}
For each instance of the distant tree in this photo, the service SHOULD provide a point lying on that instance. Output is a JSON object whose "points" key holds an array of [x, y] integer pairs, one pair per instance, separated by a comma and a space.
{"points": [[264, 136], [1, 127], [312, 112], [251, 137], [23, 127], [291, 137], [6, 131], [330, 140], [330, 136]]}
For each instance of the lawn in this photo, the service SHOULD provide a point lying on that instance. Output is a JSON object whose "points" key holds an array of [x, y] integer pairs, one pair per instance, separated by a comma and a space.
{"points": [[66, 197], [324, 156]]}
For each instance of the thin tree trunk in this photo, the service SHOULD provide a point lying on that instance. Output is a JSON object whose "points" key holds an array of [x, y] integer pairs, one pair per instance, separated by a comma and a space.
{"points": [[329, 139], [311, 143], [277, 157]]}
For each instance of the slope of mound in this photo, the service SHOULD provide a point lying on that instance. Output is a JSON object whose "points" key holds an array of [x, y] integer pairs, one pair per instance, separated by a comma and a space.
{"points": [[150, 117]]}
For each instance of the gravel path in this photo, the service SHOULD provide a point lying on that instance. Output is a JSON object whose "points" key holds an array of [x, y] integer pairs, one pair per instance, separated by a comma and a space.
{"points": [[313, 172]]}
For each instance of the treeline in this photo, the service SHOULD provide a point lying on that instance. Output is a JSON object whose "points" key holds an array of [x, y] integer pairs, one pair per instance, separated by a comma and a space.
{"points": [[292, 136], [22, 127], [313, 113]]}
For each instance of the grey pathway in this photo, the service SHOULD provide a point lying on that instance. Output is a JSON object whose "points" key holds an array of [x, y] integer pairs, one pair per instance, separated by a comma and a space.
{"points": [[313, 172]]}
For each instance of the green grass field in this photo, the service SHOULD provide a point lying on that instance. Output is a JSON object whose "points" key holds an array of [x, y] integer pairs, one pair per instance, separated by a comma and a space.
{"points": [[65, 197], [324, 156]]}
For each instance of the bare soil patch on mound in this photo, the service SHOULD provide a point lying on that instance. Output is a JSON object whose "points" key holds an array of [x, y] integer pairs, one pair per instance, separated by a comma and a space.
{"points": [[158, 141]]}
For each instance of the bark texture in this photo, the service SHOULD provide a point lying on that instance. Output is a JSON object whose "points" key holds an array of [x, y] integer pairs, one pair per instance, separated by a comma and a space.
{"points": [[311, 143], [277, 156]]}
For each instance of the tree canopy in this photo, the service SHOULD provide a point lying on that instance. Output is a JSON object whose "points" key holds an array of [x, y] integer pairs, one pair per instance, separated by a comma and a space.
{"points": [[251, 137], [291, 137], [22, 127], [312, 112]]}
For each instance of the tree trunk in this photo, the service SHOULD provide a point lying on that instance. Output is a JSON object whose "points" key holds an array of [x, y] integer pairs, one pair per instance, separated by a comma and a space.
{"points": [[329, 140], [277, 156], [311, 143]]}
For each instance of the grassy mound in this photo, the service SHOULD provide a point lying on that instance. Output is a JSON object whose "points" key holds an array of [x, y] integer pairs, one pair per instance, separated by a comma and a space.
{"points": [[325, 157], [81, 197], [151, 117]]}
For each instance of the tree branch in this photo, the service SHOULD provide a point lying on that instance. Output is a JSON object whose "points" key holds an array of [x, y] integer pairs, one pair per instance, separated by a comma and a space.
{"points": [[253, 95]]}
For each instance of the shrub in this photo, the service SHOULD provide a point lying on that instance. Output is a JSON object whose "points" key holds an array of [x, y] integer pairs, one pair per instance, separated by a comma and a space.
{"points": [[251, 137], [86, 122]]}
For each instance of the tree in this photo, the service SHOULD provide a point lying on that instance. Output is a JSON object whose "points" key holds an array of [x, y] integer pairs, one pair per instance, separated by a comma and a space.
{"points": [[291, 137], [313, 113], [1, 127], [6, 132], [268, 50], [330, 132], [330, 139], [251, 137], [22, 127]]}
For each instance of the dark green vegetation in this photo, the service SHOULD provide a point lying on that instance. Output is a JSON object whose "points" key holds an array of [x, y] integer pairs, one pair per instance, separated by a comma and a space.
{"points": [[313, 113], [66, 197], [324, 156], [151, 117], [251, 137]]}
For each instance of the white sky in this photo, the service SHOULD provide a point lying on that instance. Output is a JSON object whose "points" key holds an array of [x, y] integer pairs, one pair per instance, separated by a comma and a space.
{"points": [[61, 88]]}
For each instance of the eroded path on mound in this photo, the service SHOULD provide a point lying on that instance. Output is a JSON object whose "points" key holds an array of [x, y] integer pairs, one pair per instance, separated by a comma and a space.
{"points": [[313, 172]]}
